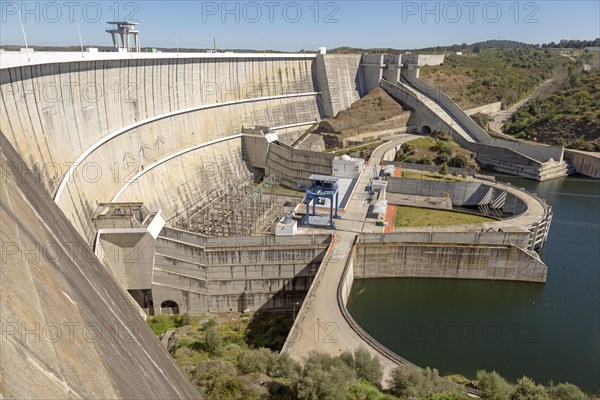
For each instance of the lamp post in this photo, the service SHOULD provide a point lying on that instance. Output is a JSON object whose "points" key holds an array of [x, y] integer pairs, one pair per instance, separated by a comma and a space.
{"points": [[294, 311], [176, 43]]}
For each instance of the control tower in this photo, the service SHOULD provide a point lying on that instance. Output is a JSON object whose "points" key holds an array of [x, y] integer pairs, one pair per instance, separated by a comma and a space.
{"points": [[120, 32]]}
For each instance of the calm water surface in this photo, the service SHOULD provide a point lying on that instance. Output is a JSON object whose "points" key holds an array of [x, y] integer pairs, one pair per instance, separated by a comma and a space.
{"points": [[547, 332]]}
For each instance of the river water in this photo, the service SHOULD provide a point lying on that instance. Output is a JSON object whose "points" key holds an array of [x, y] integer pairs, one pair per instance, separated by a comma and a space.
{"points": [[545, 331]]}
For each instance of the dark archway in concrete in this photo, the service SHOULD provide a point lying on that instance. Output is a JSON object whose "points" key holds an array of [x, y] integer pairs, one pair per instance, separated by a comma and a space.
{"points": [[169, 307], [426, 130]]}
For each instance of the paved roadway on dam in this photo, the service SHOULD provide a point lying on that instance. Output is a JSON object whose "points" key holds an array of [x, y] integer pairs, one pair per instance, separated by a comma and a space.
{"points": [[323, 326]]}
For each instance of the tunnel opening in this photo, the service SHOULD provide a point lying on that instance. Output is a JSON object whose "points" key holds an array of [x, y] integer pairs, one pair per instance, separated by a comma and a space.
{"points": [[426, 130], [169, 307]]}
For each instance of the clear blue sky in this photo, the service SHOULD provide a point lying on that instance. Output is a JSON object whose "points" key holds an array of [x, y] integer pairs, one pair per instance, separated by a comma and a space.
{"points": [[291, 26]]}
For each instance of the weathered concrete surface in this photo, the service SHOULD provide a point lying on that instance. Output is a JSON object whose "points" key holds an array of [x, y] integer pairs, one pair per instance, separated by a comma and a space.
{"points": [[448, 260], [341, 81], [68, 328], [584, 162], [292, 165], [116, 117], [234, 274]]}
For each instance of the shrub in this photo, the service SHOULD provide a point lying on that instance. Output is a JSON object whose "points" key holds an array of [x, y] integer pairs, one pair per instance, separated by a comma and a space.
{"points": [[442, 147], [494, 386], [218, 379], [324, 378], [409, 381], [259, 361], [367, 367], [442, 158], [566, 391], [285, 367], [449, 396], [212, 341], [459, 161], [528, 390], [425, 160], [444, 169]]}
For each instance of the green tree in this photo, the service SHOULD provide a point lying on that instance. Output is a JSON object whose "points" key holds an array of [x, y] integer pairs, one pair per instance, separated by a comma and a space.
{"points": [[218, 380], [566, 391], [459, 161], [412, 382], [284, 367], [494, 386], [442, 147], [444, 169], [324, 378], [256, 361], [442, 158], [527, 389], [367, 367]]}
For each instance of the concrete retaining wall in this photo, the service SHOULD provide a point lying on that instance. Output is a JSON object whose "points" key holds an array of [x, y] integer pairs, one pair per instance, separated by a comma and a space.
{"points": [[292, 166], [585, 163], [490, 262], [519, 239], [470, 194], [233, 274]]}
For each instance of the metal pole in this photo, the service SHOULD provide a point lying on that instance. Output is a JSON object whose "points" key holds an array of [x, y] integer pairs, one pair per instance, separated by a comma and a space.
{"points": [[80, 41], [24, 36]]}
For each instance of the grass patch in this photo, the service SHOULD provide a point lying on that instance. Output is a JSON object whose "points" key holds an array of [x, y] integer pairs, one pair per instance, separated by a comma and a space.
{"points": [[413, 216], [162, 323], [431, 176]]}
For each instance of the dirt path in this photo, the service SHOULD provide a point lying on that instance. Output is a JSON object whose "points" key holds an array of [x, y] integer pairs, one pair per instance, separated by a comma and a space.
{"points": [[503, 116]]}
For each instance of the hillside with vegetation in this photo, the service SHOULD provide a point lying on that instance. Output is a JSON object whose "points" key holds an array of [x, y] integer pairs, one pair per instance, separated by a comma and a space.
{"points": [[569, 116], [233, 357], [494, 74], [438, 149]]}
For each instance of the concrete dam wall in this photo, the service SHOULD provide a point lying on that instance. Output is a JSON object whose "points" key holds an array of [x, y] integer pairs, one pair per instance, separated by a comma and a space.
{"points": [[69, 330], [114, 118]]}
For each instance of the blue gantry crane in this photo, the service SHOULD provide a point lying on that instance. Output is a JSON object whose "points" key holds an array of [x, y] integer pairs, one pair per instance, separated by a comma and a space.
{"points": [[322, 187]]}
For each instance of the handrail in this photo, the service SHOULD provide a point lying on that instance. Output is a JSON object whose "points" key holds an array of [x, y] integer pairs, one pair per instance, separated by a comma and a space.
{"points": [[381, 349]]}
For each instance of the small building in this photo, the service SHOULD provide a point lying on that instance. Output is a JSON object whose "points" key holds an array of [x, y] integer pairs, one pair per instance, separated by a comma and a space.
{"points": [[348, 167]]}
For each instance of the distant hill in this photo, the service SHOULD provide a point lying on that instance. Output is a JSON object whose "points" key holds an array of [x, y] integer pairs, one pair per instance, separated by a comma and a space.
{"points": [[463, 47], [494, 74], [566, 117]]}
